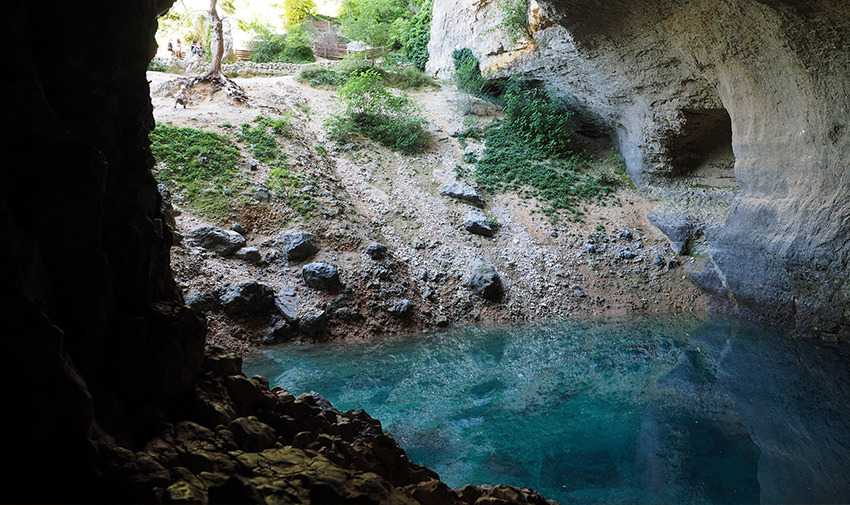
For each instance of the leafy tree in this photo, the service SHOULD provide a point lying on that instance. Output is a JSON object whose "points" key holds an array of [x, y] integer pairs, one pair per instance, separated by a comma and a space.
{"points": [[296, 12], [379, 23]]}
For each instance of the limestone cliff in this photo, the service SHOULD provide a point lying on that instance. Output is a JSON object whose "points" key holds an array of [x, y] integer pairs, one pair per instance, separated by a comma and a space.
{"points": [[732, 114]]}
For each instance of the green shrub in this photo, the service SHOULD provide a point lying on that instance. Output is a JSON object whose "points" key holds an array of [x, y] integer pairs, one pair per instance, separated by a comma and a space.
{"points": [[537, 118], [292, 47], [530, 151], [467, 74], [198, 166], [372, 110], [418, 35], [515, 19], [317, 76], [410, 78], [157, 66]]}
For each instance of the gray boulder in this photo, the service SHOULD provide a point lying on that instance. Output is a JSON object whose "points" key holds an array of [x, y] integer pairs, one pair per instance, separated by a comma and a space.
{"points": [[247, 298], [200, 301], [298, 246], [286, 302], [476, 222], [249, 254], [462, 192], [485, 281], [322, 276], [400, 308], [217, 240], [675, 225], [377, 251], [313, 323]]}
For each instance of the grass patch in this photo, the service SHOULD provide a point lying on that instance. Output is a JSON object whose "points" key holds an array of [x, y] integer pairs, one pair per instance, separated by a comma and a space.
{"points": [[198, 166], [317, 76]]}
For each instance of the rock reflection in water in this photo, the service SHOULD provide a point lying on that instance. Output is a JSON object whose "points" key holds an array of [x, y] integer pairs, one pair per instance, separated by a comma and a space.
{"points": [[650, 410]]}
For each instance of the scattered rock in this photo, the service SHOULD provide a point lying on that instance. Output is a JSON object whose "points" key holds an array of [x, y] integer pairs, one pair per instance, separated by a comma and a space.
{"points": [[400, 308], [262, 194], [322, 276], [286, 302], [249, 254], [247, 298], [313, 323], [462, 192], [201, 301], [298, 246], [238, 228], [485, 281], [377, 251], [576, 289], [217, 240], [476, 222]]}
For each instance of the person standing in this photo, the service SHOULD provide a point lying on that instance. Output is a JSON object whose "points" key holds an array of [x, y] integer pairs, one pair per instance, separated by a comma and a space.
{"points": [[170, 48], [179, 50]]}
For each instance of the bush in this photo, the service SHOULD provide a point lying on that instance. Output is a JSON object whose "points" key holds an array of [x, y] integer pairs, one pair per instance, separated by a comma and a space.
{"points": [[317, 76], [530, 150], [372, 110], [293, 47], [410, 78], [419, 34]]}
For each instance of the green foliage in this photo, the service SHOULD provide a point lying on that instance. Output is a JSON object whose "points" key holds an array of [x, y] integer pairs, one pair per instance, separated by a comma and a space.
{"points": [[372, 110], [157, 66], [261, 138], [379, 23], [415, 43], [318, 76], [296, 12], [409, 78], [198, 166], [537, 118], [292, 47], [529, 151], [467, 73], [515, 19]]}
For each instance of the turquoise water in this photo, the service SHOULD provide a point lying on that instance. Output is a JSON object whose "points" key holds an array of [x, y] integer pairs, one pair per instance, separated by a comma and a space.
{"points": [[645, 410]]}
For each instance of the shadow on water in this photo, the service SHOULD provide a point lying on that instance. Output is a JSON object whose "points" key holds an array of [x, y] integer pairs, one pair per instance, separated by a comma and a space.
{"points": [[646, 410]]}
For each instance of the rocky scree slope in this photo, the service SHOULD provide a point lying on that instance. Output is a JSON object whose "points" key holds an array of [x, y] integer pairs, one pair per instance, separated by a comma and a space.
{"points": [[733, 114]]}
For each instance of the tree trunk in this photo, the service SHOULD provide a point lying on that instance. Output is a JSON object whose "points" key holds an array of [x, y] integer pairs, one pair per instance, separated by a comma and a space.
{"points": [[217, 40]]}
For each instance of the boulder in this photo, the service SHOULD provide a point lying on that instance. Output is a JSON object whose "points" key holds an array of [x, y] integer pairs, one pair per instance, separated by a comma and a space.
{"points": [[249, 254], [200, 301], [312, 323], [247, 298], [485, 281], [217, 240], [322, 276], [376, 251], [400, 308], [476, 222], [286, 302], [675, 225], [462, 192], [298, 246]]}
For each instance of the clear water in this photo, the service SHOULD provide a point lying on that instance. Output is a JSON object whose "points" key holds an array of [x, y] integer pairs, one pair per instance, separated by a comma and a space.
{"points": [[645, 410]]}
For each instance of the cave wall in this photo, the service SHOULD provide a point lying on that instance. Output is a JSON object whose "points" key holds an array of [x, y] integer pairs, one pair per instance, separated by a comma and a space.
{"points": [[93, 324], [765, 215]]}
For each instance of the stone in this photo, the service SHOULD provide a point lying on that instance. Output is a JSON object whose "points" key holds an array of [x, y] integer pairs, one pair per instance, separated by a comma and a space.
{"points": [[247, 298], [400, 308], [220, 241], [312, 323], [463, 192], [238, 228], [321, 276], [476, 222], [376, 251], [286, 301], [485, 281], [202, 301], [249, 254], [298, 246], [675, 225]]}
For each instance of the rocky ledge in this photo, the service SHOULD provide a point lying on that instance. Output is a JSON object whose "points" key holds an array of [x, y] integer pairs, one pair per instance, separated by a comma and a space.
{"points": [[241, 442]]}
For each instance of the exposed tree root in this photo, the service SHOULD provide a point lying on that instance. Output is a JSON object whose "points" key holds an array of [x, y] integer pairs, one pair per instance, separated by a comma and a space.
{"points": [[219, 81]]}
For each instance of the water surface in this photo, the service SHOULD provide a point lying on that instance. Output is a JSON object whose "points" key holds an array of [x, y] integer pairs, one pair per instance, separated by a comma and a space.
{"points": [[645, 410]]}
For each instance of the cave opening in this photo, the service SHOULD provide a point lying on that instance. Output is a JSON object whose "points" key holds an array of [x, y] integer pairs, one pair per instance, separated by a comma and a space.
{"points": [[703, 153]]}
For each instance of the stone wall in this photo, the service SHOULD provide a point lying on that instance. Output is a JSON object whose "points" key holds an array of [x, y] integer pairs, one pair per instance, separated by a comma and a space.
{"points": [[732, 114]]}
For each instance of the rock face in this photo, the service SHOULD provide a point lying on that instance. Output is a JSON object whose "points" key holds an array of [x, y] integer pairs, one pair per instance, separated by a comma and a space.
{"points": [[732, 113]]}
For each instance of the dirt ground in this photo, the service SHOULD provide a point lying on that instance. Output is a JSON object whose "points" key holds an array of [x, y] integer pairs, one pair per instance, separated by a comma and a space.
{"points": [[612, 263]]}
